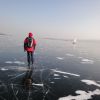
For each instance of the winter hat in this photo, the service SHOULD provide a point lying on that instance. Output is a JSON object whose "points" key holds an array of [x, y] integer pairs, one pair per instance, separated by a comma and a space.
{"points": [[30, 34]]}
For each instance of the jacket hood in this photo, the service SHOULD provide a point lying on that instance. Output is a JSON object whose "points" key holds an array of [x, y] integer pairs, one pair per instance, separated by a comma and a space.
{"points": [[30, 34]]}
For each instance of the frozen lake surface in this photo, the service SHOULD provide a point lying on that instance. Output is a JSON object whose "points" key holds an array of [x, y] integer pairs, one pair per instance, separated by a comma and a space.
{"points": [[61, 71]]}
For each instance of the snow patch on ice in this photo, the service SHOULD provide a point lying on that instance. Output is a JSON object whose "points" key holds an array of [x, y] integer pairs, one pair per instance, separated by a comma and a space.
{"points": [[57, 78], [65, 76], [59, 58], [68, 54], [87, 61], [23, 69], [90, 82], [19, 62], [9, 62], [52, 82], [15, 62], [37, 84], [82, 95], [61, 72], [56, 75], [3, 69]]}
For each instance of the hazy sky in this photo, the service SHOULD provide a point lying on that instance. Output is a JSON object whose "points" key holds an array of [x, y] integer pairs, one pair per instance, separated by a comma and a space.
{"points": [[51, 18]]}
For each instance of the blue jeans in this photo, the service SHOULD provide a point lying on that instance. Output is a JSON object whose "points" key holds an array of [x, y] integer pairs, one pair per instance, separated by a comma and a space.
{"points": [[30, 58]]}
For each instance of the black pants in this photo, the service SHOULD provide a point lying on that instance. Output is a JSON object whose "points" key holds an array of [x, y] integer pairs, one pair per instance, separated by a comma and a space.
{"points": [[30, 58]]}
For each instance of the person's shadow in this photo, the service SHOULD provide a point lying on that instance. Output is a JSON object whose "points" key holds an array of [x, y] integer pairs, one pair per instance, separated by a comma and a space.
{"points": [[33, 89], [27, 80]]}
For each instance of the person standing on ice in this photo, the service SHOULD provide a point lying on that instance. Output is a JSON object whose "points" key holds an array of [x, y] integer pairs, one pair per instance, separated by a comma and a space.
{"points": [[29, 46]]}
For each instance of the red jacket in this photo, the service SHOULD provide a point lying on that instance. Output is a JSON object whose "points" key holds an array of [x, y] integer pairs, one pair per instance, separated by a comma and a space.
{"points": [[31, 49]]}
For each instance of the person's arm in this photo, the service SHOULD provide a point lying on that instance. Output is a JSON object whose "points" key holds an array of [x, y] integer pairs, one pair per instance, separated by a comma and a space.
{"points": [[34, 42], [25, 41]]}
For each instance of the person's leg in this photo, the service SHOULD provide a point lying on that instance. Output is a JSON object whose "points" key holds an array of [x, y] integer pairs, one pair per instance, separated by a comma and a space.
{"points": [[28, 58], [32, 58]]}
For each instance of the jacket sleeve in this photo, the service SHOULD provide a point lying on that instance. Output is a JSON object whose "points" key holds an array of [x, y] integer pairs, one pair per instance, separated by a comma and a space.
{"points": [[25, 41], [34, 42]]}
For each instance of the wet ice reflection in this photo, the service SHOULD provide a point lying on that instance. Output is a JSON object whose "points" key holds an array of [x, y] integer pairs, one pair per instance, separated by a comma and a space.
{"points": [[41, 84]]}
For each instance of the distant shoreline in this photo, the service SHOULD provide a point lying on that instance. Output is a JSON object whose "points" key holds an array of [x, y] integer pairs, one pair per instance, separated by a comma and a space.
{"points": [[2, 34], [62, 39]]}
